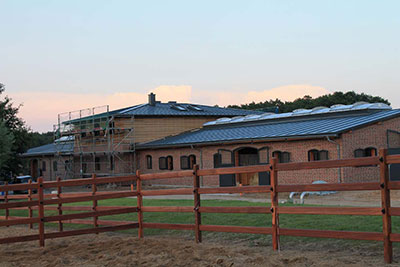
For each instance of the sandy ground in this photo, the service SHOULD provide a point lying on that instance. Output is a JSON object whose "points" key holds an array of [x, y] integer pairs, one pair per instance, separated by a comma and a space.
{"points": [[119, 249]]}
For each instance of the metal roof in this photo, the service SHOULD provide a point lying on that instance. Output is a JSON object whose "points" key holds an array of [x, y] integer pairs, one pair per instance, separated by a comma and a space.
{"points": [[295, 127], [172, 109], [50, 149]]}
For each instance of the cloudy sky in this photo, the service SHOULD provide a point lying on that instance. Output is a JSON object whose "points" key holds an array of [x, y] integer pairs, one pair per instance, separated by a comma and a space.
{"points": [[58, 56]]}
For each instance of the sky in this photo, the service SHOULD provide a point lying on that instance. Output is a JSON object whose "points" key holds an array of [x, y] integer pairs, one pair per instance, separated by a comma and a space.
{"points": [[60, 56]]}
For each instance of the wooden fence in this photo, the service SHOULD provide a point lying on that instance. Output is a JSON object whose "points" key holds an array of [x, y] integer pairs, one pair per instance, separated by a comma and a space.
{"points": [[41, 202]]}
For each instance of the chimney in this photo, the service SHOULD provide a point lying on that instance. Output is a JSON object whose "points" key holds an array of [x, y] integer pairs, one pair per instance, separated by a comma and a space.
{"points": [[152, 99]]}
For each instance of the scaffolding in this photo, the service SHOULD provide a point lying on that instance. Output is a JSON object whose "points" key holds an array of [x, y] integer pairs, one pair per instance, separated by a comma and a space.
{"points": [[100, 143]]}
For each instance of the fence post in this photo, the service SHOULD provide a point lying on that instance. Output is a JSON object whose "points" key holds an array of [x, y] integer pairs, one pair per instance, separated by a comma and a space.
{"points": [[94, 208], [60, 212], [274, 205], [41, 211], [30, 212], [385, 200], [139, 204], [6, 201], [196, 195]]}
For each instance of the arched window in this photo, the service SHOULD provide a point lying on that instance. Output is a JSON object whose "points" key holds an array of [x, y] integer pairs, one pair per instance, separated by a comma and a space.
{"points": [[313, 155], [323, 155], [283, 157], [192, 161], [185, 162], [170, 163], [43, 165], [359, 153], [97, 165], [162, 163], [55, 167], [149, 162], [370, 152]]}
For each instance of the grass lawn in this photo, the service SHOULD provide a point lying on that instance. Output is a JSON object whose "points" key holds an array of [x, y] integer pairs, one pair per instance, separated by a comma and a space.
{"points": [[322, 222]]}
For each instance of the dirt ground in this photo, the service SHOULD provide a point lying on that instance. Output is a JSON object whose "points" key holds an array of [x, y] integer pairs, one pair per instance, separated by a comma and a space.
{"points": [[121, 249]]}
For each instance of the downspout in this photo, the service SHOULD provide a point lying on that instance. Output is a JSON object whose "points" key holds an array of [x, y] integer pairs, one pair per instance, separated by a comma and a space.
{"points": [[338, 155], [201, 162]]}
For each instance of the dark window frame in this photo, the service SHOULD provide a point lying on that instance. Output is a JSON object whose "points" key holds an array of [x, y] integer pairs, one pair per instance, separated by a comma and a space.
{"points": [[97, 164], [149, 162], [55, 165], [44, 165], [316, 155], [162, 163], [170, 163]]}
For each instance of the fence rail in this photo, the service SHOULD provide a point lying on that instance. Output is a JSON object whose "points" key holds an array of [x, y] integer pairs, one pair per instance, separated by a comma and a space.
{"points": [[42, 202]]}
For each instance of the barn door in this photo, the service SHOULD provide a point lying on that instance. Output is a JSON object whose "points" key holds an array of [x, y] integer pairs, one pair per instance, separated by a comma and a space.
{"points": [[224, 158]]}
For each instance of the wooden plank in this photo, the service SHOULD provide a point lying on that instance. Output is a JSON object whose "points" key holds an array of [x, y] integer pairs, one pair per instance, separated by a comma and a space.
{"points": [[394, 211], [88, 181], [16, 239], [196, 204], [139, 203], [373, 236], [231, 190], [170, 226], [166, 175], [394, 237], [89, 214], [41, 211], [237, 229], [167, 209], [59, 206], [30, 211], [393, 159], [274, 205], [234, 170], [259, 210], [324, 164], [88, 198], [91, 230], [18, 220], [162, 192], [94, 206], [17, 187], [100, 222], [385, 202], [329, 187], [393, 185], [18, 204], [332, 210]]}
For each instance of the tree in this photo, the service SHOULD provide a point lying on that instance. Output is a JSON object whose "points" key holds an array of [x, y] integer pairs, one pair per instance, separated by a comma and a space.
{"points": [[18, 130], [308, 102], [6, 141]]}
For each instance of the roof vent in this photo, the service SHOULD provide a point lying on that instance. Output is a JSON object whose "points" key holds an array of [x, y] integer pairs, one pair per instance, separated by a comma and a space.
{"points": [[152, 99]]}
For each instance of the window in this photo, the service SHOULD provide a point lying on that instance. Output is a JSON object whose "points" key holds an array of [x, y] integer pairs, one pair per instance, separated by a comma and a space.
{"points": [[187, 162], [368, 152], [112, 163], [67, 165], [314, 155], [170, 163], [359, 153], [55, 167], [84, 167], [162, 163], [283, 157], [97, 165], [263, 155], [44, 166], [149, 162]]}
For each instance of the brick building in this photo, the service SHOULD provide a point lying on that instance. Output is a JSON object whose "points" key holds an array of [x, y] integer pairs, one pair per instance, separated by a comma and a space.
{"points": [[338, 132], [104, 142]]}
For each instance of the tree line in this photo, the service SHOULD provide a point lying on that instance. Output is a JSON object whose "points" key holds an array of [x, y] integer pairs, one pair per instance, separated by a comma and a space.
{"points": [[308, 102]]}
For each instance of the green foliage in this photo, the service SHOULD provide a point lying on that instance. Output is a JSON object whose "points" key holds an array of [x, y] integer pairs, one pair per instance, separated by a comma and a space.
{"points": [[40, 139], [6, 143], [308, 102]]}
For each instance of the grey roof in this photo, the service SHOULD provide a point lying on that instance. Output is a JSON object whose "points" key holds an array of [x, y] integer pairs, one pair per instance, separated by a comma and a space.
{"points": [[50, 149], [298, 127], [173, 109]]}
